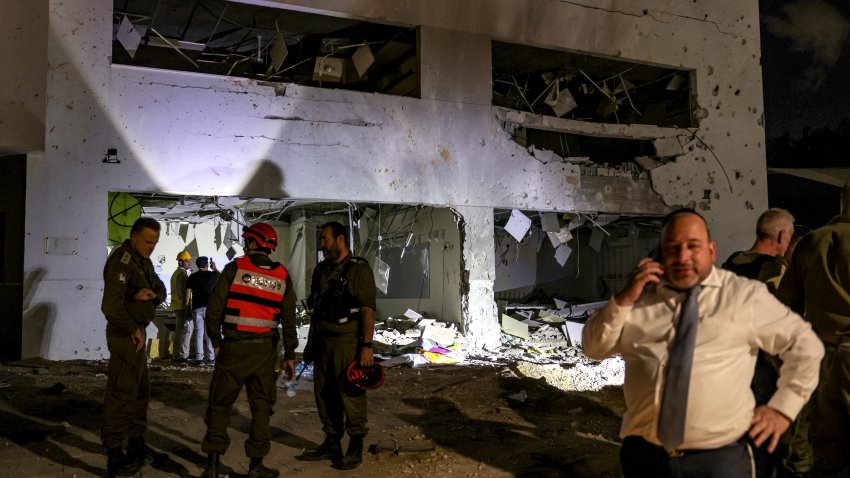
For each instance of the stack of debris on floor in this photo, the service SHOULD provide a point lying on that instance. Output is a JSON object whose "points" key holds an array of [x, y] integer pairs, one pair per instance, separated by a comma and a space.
{"points": [[414, 340], [542, 334]]}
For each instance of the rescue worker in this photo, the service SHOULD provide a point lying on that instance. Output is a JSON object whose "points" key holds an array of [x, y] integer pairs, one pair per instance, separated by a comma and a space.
{"points": [[252, 295], [131, 293], [342, 300], [178, 305]]}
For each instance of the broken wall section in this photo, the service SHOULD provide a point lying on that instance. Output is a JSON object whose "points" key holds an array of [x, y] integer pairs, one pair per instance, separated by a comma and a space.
{"points": [[481, 325]]}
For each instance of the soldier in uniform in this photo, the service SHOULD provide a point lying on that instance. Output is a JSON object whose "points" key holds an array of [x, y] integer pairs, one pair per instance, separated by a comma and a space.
{"points": [[131, 293], [251, 297], [342, 300]]}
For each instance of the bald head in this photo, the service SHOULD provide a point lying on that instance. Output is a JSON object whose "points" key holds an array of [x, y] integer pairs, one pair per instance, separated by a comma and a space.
{"points": [[687, 251]]}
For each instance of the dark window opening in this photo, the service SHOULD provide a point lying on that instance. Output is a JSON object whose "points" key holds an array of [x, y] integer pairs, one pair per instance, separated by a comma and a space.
{"points": [[269, 44], [589, 88]]}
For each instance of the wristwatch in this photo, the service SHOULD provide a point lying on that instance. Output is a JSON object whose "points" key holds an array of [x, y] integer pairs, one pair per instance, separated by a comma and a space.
{"points": [[367, 344]]}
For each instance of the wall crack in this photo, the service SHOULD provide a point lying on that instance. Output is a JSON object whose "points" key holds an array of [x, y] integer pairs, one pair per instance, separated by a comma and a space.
{"points": [[363, 124], [649, 13]]}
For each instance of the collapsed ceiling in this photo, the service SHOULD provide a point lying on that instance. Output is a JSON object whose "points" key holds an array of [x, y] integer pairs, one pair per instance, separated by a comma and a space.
{"points": [[235, 39], [228, 38]]}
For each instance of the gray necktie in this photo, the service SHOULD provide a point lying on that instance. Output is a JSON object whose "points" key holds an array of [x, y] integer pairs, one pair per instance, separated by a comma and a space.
{"points": [[674, 402]]}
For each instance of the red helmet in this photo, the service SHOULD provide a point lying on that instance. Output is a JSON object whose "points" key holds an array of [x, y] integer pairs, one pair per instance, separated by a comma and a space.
{"points": [[261, 232], [366, 378]]}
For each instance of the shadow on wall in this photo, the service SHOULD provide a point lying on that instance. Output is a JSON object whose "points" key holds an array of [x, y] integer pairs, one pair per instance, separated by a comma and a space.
{"points": [[267, 182], [38, 319]]}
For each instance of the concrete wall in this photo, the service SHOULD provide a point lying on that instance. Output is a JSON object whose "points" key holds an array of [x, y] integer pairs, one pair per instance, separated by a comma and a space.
{"points": [[185, 133], [23, 87]]}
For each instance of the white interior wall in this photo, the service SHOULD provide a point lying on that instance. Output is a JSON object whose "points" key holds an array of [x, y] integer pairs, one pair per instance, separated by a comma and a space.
{"points": [[443, 302], [187, 133]]}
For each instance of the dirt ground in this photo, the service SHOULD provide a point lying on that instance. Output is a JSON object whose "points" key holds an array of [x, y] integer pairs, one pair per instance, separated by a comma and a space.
{"points": [[446, 421]]}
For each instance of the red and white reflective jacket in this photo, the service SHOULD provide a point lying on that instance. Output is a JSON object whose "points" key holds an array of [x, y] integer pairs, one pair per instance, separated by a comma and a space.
{"points": [[255, 297]]}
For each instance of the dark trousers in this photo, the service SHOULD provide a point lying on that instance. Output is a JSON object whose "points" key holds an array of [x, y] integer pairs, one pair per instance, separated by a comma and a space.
{"points": [[342, 407], [830, 408], [641, 459], [250, 363], [125, 404]]}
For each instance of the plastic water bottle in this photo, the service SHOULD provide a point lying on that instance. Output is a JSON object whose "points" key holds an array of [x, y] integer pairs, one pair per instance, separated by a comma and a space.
{"points": [[290, 388]]}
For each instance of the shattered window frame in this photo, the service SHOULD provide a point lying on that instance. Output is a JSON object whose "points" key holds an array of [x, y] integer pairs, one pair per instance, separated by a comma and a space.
{"points": [[224, 38], [590, 88]]}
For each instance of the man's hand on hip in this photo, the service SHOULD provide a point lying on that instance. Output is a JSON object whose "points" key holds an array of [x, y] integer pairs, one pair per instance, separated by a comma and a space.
{"points": [[767, 426]]}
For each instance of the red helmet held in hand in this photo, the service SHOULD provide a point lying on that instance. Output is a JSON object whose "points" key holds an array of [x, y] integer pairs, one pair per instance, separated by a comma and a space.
{"points": [[261, 232], [365, 378]]}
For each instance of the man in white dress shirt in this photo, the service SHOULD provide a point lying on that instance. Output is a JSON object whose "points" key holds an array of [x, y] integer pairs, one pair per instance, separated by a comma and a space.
{"points": [[733, 317]]}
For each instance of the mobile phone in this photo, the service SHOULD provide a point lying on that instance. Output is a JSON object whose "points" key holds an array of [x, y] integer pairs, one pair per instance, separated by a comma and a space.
{"points": [[655, 253]]}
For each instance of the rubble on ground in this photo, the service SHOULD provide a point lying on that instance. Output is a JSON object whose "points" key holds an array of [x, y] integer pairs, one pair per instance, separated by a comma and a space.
{"points": [[543, 342]]}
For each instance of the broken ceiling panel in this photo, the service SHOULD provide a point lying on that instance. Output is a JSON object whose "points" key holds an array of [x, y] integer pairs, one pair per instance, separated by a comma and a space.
{"points": [[237, 39], [589, 88]]}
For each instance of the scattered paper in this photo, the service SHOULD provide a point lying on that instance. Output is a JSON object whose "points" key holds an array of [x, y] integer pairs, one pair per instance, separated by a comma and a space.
{"points": [[562, 253], [518, 225], [549, 222], [564, 235], [561, 101], [574, 330], [278, 52], [514, 327], [552, 319], [411, 314], [560, 304], [596, 238], [441, 335], [128, 37], [382, 275], [553, 238], [363, 59]]}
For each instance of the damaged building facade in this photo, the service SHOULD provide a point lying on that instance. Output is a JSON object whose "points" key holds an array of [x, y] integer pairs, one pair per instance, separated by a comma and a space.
{"points": [[474, 136]]}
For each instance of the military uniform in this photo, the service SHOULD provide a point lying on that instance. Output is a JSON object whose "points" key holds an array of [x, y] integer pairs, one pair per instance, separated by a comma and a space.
{"points": [[127, 387], [338, 291], [248, 352], [816, 282]]}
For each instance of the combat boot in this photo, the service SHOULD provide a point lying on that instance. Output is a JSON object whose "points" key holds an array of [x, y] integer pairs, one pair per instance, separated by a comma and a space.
{"points": [[139, 452], [211, 471], [353, 455], [330, 449], [257, 470], [118, 465]]}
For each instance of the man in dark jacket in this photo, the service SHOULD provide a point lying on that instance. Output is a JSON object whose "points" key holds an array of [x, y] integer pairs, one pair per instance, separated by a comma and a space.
{"points": [[199, 287], [131, 293]]}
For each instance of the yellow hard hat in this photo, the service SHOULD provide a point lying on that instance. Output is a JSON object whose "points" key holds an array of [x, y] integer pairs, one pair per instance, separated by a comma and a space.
{"points": [[184, 256]]}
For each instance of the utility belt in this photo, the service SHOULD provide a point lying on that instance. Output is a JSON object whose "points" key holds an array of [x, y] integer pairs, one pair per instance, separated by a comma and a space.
{"points": [[345, 317]]}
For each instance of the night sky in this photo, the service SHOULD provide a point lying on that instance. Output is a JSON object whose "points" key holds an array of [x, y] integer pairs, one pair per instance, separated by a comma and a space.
{"points": [[805, 64]]}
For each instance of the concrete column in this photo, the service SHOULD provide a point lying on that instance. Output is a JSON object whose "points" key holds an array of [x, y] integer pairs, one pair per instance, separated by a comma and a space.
{"points": [[455, 66], [478, 306]]}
